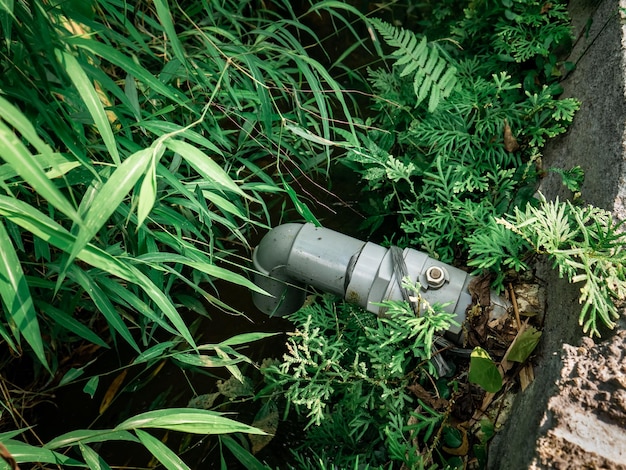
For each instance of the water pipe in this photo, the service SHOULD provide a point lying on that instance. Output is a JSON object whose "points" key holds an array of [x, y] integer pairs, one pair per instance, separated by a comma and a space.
{"points": [[292, 256]]}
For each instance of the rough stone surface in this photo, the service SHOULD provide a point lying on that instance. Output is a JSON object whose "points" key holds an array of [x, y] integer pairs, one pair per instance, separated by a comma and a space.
{"points": [[571, 416], [586, 419]]}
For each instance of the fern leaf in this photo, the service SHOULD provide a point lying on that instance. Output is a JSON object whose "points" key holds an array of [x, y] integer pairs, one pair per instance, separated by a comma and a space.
{"points": [[435, 98], [434, 78], [447, 82]]}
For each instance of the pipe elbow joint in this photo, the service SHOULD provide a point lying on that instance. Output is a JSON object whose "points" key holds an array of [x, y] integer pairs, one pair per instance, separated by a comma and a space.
{"points": [[270, 259]]}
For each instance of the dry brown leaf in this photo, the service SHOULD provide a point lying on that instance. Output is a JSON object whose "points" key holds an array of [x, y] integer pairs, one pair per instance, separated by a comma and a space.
{"points": [[434, 402], [510, 142], [268, 423], [112, 391], [526, 376]]}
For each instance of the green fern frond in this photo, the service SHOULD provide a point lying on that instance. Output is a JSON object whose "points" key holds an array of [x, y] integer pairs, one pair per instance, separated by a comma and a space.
{"points": [[434, 78]]}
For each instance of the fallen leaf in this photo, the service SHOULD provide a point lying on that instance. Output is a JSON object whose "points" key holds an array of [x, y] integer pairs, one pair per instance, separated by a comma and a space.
{"points": [[524, 344], [421, 393], [510, 142], [526, 376], [112, 391], [267, 420]]}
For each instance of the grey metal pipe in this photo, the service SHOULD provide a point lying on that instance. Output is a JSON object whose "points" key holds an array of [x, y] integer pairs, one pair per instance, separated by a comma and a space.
{"points": [[291, 256]]}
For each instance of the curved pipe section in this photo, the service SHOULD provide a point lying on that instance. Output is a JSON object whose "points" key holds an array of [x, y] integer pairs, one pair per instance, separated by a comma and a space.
{"points": [[291, 256]]}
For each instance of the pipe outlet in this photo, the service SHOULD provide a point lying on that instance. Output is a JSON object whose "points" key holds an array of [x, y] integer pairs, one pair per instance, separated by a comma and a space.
{"points": [[291, 256]]}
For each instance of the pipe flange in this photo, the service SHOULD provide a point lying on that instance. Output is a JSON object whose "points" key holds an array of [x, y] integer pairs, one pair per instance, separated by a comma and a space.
{"points": [[436, 276]]}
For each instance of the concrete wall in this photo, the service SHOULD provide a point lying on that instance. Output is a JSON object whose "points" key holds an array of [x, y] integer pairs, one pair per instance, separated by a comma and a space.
{"points": [[595, 141]]}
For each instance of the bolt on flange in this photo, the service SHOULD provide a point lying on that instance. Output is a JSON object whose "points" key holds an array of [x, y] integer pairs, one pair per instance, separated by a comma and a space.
{"points": [[436, 276]]}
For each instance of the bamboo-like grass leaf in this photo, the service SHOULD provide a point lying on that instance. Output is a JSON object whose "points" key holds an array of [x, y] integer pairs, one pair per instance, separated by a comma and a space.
{"points": [[17, 298], [204, 165], [155, 352], [126, 63], [147, 193], [91, 99], [88, 436], [15, 153], [25, 453], [103, 303], [244, 456], [207, 268], [189, 420], [109, 197], [91, 386], [165, 17], [34, 221], [92, 459], [71, 324], [5, 335], [124, 296], [202, 360], [245, 338], [45, 228], [161, 452]]}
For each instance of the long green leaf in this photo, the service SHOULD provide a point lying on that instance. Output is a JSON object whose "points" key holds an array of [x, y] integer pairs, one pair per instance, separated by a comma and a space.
{"points": [[147, 193], [92, 459], [158, 351], [110, 196], [45, 228], [25, 453], [124, 296], [189, 420], [16, 297], [15, 153], [165, 17], [207, 268], [102, 302], [245, 338], [163, 454], [204, 165], [87, 436], [71, 324], [166, 306], [15, 118], [91, 99], [249, 461], [48, 230], [126, 63], [202, 360]]}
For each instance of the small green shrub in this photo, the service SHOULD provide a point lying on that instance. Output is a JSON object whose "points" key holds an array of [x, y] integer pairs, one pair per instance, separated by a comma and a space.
{"points": [[348, 372], [586, 245]]}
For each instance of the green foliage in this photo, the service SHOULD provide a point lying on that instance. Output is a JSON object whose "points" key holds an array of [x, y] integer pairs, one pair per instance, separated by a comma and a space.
{"points": [[524, 345], [348, 372], [587, 246], [131, 431], [447, 174], [432, 75], [483, 371], [138, 142]]}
